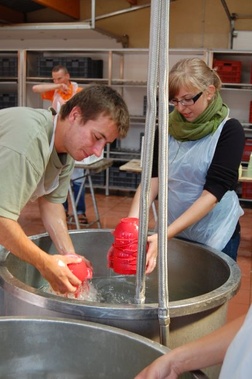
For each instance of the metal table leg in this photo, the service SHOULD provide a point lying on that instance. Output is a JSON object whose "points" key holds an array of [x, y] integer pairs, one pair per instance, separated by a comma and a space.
{"points": [[93, 198], [76, 220]]}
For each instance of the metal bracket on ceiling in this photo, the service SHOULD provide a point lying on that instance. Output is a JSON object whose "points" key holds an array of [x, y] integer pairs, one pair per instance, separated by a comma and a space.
{"points": [[231, 18]]}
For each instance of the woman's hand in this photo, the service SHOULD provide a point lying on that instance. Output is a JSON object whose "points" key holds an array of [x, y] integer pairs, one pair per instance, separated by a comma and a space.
{"points": [[161, 368], [151, 257]]}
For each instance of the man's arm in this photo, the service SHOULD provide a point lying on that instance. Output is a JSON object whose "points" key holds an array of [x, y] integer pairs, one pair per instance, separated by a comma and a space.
{"points": [[52, 267], [40, 88], [54, 219]]}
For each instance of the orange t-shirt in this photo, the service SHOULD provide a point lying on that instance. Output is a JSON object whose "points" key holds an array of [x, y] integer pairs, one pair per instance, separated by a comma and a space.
{"points": [[49, 95]]}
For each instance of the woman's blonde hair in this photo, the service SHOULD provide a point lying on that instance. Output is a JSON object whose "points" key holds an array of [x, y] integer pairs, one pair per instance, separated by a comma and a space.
{"points": [[192, 73]]}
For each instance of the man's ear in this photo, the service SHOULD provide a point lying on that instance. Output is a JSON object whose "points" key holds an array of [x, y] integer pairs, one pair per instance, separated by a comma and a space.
{"points": [[74, 114]]}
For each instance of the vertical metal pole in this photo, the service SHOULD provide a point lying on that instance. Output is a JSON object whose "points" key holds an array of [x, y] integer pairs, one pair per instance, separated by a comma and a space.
{"points": [[158, 69], [21, 78], [93, 14], [148, 150], [71, 195], [163, 310]]}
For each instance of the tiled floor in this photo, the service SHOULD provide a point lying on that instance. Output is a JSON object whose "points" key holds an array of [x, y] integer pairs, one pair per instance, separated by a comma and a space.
{"points": [[112, 208]]}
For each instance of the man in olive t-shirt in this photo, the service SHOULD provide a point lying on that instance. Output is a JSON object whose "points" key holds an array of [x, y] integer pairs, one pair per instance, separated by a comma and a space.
{"points": [[37, 153]]}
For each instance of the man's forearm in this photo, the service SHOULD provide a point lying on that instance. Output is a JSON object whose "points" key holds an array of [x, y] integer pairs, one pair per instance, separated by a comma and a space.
{"points": [[40, 88], [54, 219], [13, 238]]}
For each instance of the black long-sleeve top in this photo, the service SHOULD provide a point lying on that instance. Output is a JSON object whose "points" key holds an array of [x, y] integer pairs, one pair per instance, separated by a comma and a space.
{"points": [[222, 175]]}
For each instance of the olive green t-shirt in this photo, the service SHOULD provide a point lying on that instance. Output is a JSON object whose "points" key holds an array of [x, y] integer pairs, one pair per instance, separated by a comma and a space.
{"points": [[25, 156]]}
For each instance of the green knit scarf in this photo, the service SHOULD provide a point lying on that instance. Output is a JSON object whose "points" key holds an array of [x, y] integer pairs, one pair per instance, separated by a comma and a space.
{"points": [[204, 124]]}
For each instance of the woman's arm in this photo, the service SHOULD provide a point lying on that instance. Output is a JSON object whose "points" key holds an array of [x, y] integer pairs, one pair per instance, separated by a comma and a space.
{"points": [[222, 174], [200, 208], [135, 205], [204, 352]]}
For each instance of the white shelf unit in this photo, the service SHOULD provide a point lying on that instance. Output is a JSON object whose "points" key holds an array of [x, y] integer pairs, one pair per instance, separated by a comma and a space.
{"points": [[238, 97], [126, 70]]}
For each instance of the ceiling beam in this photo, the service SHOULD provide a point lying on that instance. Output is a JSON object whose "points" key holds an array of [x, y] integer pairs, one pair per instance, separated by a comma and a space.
{"points": [[8, 15], [224, 4], [69, 8]]}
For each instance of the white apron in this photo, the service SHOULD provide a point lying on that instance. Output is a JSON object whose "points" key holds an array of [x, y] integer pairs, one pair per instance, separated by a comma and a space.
{"points": [[188, 165]]}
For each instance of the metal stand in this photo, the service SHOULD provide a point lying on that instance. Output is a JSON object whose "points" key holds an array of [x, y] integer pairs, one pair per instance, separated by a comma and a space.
{"points": [[88, 171], [157, 79]]}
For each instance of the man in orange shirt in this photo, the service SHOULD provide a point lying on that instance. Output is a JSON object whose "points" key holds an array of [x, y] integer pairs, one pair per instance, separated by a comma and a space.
{"points": [[61, 90], [58, 92]]}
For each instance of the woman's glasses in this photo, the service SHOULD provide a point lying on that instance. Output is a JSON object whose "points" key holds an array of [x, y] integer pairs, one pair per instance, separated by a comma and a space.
{"points": [[186, 102]]}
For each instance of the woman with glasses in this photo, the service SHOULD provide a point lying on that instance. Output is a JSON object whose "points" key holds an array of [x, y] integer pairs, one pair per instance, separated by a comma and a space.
{"points": [[205, 151]]}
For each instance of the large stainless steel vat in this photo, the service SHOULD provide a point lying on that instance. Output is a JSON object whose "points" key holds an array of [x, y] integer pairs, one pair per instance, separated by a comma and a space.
{"points": [[201, 281], [68, 349]]}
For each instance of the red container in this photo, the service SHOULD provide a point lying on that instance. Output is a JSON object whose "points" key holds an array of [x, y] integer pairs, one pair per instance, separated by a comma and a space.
{"points": [[247, 150], [229, 71], [124, 269], [250, 112], [126, 230], [81, 270], [122, 256], [110, 257], [247, 190]]}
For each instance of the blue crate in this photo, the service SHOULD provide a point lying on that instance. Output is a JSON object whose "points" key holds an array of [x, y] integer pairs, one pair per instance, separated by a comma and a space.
{"points": [[78, 67], [123, 179], [8, 100], [45, 65], [8, 67], [98, 179]]}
